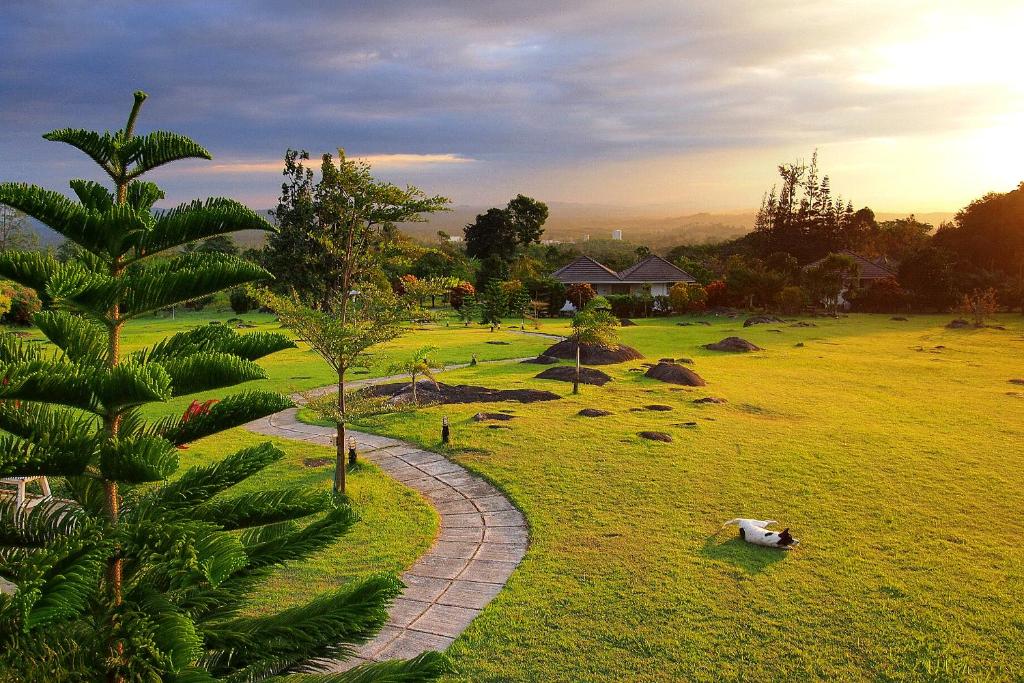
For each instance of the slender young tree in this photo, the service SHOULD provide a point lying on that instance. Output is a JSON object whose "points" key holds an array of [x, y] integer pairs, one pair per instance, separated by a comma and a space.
{"points": [[419, 363], [373, 316], [593, 324], [123, 576], [344, 223]]}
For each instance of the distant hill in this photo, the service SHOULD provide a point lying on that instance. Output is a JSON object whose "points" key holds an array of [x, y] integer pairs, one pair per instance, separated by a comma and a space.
{"points": [[573, 222], [652, 227]]}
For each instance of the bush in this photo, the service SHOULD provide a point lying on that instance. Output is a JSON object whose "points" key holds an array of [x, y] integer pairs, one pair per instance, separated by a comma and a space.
{"points": [[404, 283], [684, 298], [881, 296], [459, 293], [580, 294], [24, 303], [717, 293], [622, 304], [791, 300], [241, 302], [980, 304]]}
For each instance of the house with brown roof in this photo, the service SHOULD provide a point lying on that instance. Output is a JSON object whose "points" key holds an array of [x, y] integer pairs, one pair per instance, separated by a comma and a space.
{"points": [[867, 270], [653, 275]]}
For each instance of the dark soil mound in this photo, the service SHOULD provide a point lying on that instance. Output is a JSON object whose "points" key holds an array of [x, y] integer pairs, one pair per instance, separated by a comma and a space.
{"points": [[761, 320], [401, 392], [899, 318], [498, 343], [567, 373], [734, 344], [317, 462], [484, 417], [657, 407], [1017, 381], [803, 323], [710, 399], [594, 412], [541, 360], [626, 322], [655, 436], [688, 361], [592, 354], [958, 324], [675, 374]]}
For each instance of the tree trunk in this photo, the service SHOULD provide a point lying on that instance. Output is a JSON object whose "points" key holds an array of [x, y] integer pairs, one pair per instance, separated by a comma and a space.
{"points": [[576, 377], [339, 464]]}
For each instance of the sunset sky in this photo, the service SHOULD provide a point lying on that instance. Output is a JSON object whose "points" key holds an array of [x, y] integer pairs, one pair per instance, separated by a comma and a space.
{"points": [[687, 106]]}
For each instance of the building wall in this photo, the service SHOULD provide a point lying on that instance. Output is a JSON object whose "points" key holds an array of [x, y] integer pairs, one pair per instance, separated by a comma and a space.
{"points": [[657, 288]]}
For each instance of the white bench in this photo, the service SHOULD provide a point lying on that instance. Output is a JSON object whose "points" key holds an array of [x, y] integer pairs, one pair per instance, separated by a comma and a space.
{"points": [[20, 483]]}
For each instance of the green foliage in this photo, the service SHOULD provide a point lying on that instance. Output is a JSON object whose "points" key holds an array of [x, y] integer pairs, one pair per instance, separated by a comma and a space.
{"points": [[334, 231], [419, 364], [580, 294], [127, 577], [499, 233], [686, 298], [18, 304], [241, 302], [493, 303], [342, 339], [595, 324], [791, 300], [830, 277]]}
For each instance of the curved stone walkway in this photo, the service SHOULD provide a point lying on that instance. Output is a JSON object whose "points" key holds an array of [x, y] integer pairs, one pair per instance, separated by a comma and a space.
{"points": [[482, 539]]}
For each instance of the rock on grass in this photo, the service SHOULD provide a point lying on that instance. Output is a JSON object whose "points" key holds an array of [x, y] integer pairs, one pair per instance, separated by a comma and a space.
{"points": [[594, 412], [567, 373], [655, 436], [541, 360], [733, 344], [593, 354], [675, 374], [483, 417]]}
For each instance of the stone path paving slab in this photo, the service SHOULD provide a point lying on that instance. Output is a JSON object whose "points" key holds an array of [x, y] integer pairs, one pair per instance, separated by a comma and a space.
{"points": [[481, 541]]}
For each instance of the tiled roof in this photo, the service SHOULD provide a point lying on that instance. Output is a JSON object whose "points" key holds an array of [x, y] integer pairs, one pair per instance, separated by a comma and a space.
{"points": [[868, 269], [651, 269], [586, 269], [655, 269]]}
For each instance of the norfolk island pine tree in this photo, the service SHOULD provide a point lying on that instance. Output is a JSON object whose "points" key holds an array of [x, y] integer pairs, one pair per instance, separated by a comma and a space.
{"points": [[124, 576]]}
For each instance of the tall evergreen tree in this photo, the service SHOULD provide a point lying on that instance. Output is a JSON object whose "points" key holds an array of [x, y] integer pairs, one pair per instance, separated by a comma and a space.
{"points": [[124, 576]]}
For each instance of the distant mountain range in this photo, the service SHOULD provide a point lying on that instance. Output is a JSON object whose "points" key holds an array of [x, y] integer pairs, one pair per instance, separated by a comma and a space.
{"points": [[567, 222]]}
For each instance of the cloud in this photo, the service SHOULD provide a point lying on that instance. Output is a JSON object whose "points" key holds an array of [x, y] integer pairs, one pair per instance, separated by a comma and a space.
{"points": [[518, 89], [376, 161]]}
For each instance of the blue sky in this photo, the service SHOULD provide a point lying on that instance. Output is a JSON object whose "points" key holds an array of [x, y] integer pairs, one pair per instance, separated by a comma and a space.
{"points": [[687, 106]]}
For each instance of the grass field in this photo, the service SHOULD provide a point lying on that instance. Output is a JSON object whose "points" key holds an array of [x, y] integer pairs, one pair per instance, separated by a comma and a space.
{"points": [[892, 449]]}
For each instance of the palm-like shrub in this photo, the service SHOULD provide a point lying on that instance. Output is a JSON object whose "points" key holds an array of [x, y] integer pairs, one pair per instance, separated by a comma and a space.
{"points": [[126, 576]]}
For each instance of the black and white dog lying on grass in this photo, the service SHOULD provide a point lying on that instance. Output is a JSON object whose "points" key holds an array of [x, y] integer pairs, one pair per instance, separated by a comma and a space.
{"points": [[755, 531]]}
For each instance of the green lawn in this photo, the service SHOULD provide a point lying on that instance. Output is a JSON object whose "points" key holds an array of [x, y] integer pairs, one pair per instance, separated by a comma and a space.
{"points": [[892, 449], [396, 524]]}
